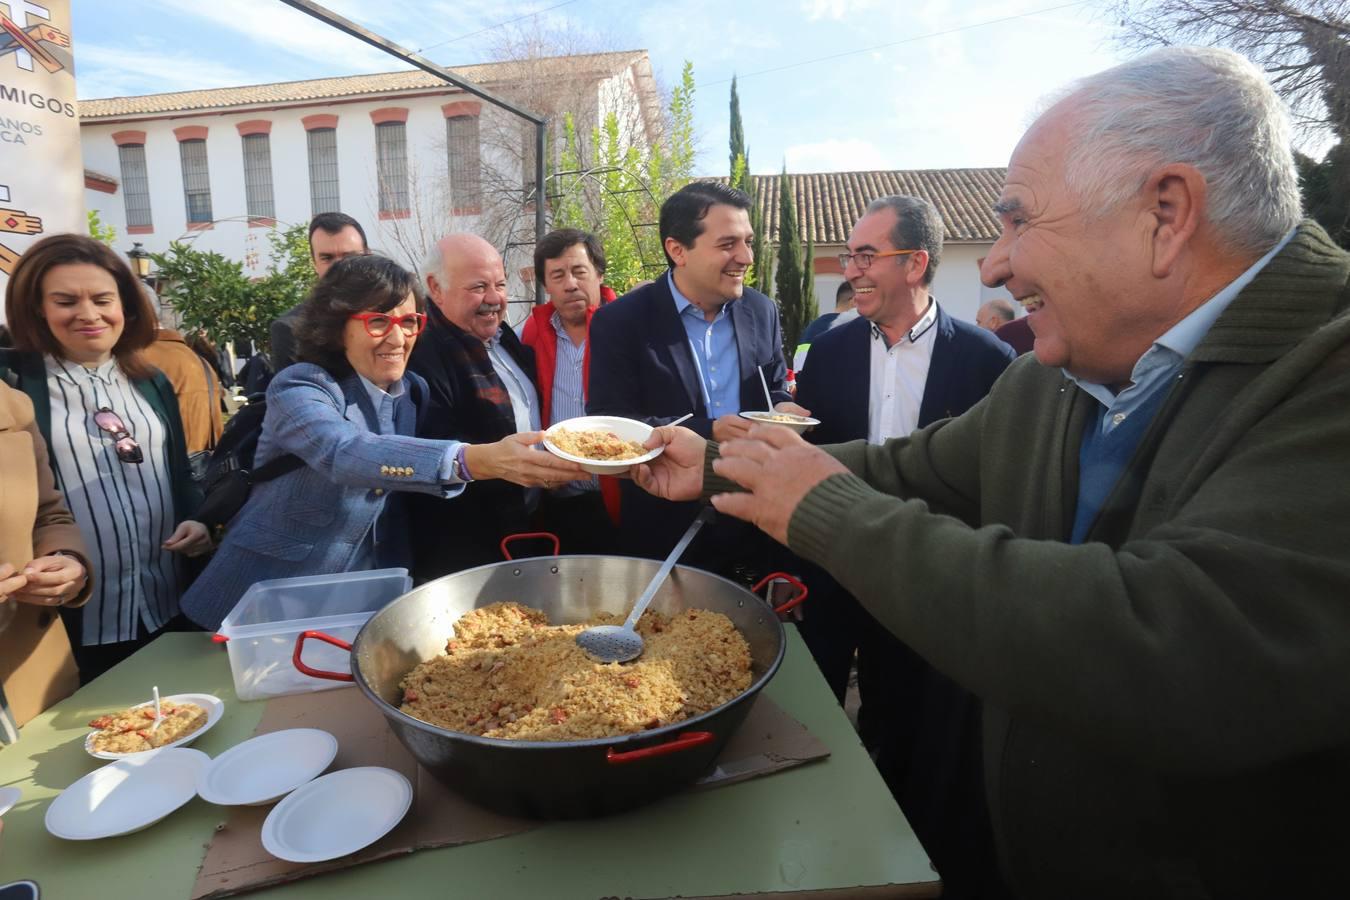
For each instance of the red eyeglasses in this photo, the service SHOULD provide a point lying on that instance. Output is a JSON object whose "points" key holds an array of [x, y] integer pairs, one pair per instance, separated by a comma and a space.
{"points": [[378, 324], [128, 451]]}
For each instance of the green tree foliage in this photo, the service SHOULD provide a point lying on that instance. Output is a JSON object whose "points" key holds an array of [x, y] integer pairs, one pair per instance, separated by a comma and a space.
{"points": [[790, 301], [613, 186], [1325, 187], [760, 272], [810, 305], [212, 294], [100, 232]]}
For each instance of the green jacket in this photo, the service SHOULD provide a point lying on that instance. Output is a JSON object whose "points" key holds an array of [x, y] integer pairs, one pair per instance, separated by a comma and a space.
{"points": [[1167, 707], [28, 372]]}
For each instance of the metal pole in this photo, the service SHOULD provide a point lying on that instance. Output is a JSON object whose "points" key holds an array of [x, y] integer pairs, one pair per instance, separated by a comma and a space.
{"points": [[538, 202]]}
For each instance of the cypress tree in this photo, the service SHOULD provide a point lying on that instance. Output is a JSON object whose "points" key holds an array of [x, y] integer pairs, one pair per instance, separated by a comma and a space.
{"points": [[740, 160], [810, 306], [789, 267]]}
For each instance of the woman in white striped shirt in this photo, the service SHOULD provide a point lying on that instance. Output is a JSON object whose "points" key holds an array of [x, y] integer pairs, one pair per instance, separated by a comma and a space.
{"points": [[112, 425]]}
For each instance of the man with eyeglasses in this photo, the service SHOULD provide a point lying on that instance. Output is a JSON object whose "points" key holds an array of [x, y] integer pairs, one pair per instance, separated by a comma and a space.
{"points": [[903, 364], [481, 380]]}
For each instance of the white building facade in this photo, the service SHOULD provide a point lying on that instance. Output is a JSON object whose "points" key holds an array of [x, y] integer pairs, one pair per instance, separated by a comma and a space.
{"points": [[407, 155]]}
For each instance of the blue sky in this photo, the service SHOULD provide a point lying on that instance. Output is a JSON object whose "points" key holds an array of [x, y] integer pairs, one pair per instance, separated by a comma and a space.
{"points": [[825, 85]]}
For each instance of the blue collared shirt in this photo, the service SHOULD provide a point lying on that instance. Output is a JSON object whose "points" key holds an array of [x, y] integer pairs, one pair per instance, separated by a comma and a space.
{"points": [[569, 394], [714, 347], [1161, 363]]}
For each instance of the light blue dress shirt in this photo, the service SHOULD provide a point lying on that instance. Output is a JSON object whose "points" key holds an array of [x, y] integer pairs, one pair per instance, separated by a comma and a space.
{"points": [[1161, 364], [569, 395], [714, 347]]}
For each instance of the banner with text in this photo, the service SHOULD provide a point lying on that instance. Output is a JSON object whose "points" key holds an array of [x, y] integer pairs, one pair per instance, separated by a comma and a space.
{"points": [[41, 168]]}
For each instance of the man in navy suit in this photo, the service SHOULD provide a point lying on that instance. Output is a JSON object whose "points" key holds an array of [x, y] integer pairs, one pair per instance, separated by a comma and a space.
{"points": [[695, 340], [902, 364]]}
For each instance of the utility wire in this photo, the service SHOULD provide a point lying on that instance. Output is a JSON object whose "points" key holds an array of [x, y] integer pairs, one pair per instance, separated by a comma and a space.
{"points": [[909, 40], [464, 37]]}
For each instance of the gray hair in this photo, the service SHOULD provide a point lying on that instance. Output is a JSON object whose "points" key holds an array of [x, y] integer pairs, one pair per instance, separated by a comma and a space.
{"points": [[432, 264], [917, 227], [1207, 107]]}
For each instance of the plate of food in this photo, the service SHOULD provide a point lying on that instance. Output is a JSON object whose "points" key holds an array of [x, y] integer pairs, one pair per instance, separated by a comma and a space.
{"points": [[126, 795], [130, 732], [604, 445], [789, 420]]}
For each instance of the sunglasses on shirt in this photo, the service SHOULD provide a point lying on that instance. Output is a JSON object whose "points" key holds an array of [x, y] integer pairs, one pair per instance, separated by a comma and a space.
{"points": [[128, 451]]}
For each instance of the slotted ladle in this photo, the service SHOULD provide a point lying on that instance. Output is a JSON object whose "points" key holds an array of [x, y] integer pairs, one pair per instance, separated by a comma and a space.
{"points": [[620, 643]]}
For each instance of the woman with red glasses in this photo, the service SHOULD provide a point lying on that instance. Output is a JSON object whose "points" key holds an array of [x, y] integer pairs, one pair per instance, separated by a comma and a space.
{"points": [[346, 418], [114, 435]]}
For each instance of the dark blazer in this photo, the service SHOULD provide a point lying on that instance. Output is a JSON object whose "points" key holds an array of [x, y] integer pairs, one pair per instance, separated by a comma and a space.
{"points": [[642, 367], [924, 725], [448, 537], [834, 382]]}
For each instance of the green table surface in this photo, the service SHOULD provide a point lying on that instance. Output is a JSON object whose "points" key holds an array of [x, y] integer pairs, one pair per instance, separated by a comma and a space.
{"points": [[829, 826]]}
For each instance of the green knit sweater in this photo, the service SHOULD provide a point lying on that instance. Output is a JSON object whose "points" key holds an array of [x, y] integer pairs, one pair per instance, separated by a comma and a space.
{"points": [[1167, 707]]}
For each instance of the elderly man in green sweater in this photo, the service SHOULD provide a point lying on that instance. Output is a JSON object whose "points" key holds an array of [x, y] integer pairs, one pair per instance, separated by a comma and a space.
{"points": [[1136, 551]]}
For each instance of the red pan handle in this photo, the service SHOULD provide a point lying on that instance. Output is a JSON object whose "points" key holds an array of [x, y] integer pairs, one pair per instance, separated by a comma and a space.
{"points": [[795, 582], [319, 673], [685, 741], [557, 544]]}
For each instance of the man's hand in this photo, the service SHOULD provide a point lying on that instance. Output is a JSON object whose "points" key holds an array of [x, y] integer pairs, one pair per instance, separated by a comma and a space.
{"points": [[728, 428], [677, 474], [189, 538], [52, 580], [792, 409], [11, 581], [777, 469], [514, 459]]}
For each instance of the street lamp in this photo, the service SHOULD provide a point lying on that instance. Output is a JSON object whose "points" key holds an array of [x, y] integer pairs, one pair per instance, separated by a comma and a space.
{"points": [[140, 261]]}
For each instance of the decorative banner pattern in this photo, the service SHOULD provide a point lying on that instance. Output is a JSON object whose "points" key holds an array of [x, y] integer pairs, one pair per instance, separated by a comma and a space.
{"points": [[41, 169]]}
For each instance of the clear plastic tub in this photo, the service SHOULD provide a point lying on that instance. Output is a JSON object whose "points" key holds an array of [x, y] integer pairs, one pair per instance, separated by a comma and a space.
{"points": [[260, 631]]}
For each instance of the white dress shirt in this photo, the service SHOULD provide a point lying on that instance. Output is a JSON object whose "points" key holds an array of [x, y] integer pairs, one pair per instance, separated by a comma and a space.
{"points": [[518, 386], [899, 373]]}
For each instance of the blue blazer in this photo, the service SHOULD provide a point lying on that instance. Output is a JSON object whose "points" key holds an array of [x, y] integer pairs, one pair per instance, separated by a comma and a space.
{"points": [[314, 520], [835, 380], [642, 367]]}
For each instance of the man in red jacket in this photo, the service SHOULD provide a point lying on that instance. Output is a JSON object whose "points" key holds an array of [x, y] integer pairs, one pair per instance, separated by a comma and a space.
{"points": [[570, 265]]}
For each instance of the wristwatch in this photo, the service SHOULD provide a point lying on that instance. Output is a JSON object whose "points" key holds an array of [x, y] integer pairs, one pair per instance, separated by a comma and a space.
{"points": [[460, 467]]}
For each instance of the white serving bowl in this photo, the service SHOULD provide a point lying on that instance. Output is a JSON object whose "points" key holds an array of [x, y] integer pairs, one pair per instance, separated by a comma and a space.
{"points": [[214, 706], [798, 424], [267, 767], [628, 429], [126, 795]]}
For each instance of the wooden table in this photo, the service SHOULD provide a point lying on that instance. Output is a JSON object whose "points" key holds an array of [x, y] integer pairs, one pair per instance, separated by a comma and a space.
{"points": [[824, 830]]}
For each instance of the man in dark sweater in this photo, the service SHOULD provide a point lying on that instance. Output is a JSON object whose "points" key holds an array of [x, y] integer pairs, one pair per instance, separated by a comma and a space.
{"points": [[1136, 551]]}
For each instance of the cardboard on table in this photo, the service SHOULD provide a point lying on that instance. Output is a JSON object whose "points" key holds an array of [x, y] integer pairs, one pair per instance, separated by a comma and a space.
{"points": [[769, 740]]}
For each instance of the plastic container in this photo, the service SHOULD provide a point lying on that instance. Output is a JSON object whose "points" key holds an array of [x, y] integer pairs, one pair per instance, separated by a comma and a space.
{"points": [[260, 631]]}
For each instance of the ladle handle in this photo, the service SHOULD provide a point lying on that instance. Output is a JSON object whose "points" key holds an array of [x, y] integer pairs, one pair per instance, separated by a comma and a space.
{"points": [[640, 607]]}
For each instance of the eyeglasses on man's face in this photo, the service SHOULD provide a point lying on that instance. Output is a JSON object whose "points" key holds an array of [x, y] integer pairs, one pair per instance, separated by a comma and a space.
{"points": [[863, 260], [379, 324], [128, 451]]}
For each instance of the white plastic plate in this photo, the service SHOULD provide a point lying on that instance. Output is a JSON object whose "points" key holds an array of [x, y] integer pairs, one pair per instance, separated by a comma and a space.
{"points": [[127, 795], [214, 706], [628, 429], [8, 797], [337, 814], [267, 767], [798, 423]]}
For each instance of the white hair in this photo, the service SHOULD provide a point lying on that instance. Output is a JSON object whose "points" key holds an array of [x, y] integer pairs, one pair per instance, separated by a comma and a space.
{"points": [[1207, 107], [432, 264]]}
